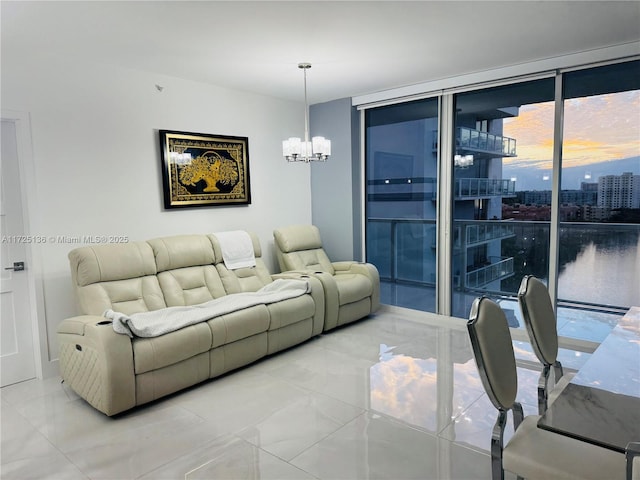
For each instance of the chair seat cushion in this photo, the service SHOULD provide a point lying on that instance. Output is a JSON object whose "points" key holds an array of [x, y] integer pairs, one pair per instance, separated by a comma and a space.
{"points": [[352, 287], [534, 453], [290, 311], [157, 352]]}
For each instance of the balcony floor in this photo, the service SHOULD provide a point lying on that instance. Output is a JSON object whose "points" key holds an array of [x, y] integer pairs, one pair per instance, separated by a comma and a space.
{"points": [[573, 323]]}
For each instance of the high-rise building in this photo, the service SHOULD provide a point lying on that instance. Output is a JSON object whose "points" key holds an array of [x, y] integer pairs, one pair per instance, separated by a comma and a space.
{"points": [[619, 191]]}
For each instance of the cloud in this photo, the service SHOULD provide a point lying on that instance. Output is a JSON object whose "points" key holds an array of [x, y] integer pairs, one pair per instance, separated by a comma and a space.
{"points": [[596, 129]]}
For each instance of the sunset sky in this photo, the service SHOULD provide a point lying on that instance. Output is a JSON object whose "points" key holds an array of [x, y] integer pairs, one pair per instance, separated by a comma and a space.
{"points": [[596, 129]]}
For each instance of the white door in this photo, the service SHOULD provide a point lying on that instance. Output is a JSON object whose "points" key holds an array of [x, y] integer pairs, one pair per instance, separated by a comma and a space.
{"points": [[17, 361]]}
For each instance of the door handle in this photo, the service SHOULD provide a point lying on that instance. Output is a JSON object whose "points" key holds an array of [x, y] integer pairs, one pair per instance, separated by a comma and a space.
{"points": [[17, 267]]}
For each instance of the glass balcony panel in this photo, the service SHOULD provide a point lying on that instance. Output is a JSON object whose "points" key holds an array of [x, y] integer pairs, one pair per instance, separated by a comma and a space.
{"points": [[472, 140], [380, 245], [497, 270], [472, 234], [414, 255], [465, 137], [457, 237], [482, 141], [483, 187], [475, 136]]}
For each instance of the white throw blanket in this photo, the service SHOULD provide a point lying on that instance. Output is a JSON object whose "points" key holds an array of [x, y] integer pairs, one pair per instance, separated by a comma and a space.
{"points": [[159, 322], [237, 249]]}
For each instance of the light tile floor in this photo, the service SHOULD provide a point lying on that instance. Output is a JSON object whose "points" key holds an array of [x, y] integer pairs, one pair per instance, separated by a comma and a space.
{"points": [[395, 396]]}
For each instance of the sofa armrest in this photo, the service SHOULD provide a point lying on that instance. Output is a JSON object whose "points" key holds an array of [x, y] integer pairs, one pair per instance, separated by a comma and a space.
{"points": [[291, 274], [366, 269], [324, 282], [344, 266], [317, 293], [97, 363]]}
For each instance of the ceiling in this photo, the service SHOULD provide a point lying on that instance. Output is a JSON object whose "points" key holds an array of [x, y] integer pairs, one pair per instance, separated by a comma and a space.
{"points": [[355, 47]]}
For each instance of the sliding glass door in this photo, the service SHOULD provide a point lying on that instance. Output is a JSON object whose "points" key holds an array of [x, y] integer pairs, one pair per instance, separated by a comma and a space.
{"points": [[503, 140], [401, 190], [599, 207]]}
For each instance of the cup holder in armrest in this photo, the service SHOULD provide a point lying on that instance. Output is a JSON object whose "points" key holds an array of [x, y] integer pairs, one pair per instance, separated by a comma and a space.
{"points": [[105, 322]]}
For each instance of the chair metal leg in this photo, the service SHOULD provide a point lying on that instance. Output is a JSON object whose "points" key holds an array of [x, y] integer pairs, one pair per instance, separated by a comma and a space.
{"points": [[543, 389], [632, 450], [497, 439], [558, 372], [518, 415]]}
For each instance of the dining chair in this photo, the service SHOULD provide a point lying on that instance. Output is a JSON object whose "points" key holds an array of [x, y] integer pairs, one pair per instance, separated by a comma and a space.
{"points": [[540, 321], [531, 452]]}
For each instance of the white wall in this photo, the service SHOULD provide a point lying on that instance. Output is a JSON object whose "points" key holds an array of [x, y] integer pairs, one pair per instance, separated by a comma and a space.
{"points": [[96, 164], [332, 182]]}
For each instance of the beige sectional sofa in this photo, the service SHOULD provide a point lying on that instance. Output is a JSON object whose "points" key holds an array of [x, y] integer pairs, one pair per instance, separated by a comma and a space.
{"points": [[115, 372]]}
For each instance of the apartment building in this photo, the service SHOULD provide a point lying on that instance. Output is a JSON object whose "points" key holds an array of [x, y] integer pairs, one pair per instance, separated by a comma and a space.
{"points": [[619, 191]]}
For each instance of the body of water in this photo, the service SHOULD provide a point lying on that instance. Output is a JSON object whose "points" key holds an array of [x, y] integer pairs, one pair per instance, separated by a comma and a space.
{"points": [[603, 273]]}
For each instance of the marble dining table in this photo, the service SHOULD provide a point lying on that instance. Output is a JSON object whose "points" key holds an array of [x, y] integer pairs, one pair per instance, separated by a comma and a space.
{"points": [[601, 404]]}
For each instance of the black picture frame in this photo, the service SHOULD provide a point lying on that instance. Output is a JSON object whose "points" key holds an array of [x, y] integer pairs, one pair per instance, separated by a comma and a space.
{"points": [[204, 170]]}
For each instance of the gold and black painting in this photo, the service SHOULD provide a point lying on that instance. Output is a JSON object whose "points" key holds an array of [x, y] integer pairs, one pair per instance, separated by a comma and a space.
{"points": [[204, 170]]}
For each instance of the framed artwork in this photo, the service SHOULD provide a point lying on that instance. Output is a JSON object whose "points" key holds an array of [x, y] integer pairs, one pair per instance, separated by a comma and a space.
{"points": [[200, 170]]}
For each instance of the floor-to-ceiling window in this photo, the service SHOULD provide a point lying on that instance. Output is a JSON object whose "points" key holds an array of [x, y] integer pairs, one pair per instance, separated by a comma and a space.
{"points": [[599, 205], [528, 195], [401, 190], [503, 141]]}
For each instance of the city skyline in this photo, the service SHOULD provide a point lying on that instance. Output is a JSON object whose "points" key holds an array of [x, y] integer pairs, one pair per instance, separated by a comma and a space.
{"points": [[572, 177]]}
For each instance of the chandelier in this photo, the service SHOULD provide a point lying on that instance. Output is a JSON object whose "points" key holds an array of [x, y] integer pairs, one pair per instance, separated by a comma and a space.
{"points": [[463, 161], [296, 150]]}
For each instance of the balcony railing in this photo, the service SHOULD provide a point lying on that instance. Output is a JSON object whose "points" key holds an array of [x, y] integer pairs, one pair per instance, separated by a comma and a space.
{"points": [[480, 232], [468, 188], [477, 141], [403, 250], [471, 140], [500, 268]]}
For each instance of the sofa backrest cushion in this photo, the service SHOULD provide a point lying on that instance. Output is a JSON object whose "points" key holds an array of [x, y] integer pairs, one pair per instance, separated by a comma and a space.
{"points": [[120, 277], [300, 248], [217, 250], [180, 251], [240, 280], [113, 261], [186, 270], [163, 272]]}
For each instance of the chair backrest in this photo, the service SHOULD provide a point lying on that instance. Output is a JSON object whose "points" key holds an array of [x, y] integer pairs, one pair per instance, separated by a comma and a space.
{"points": [[299, 247], [539, 318], [493, 351]]}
